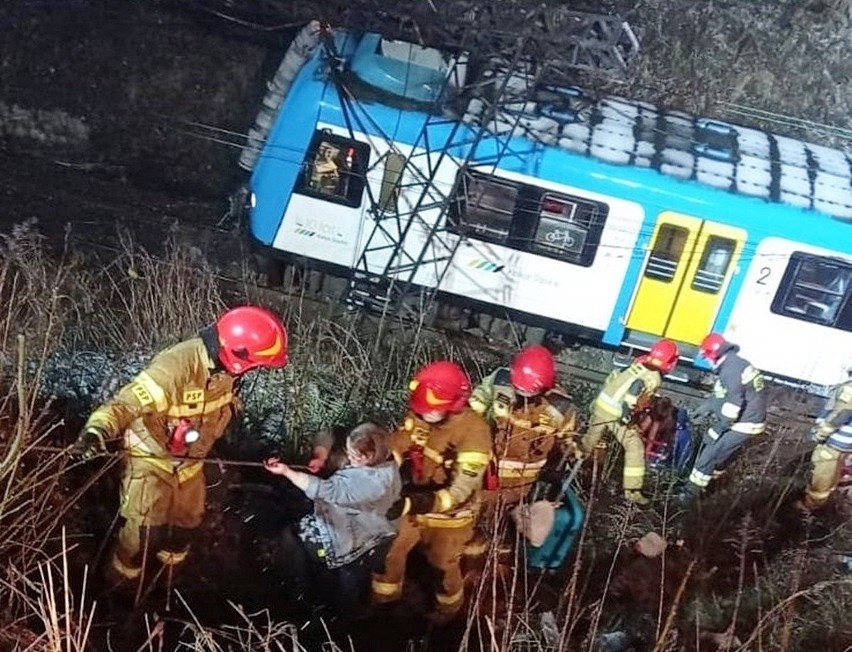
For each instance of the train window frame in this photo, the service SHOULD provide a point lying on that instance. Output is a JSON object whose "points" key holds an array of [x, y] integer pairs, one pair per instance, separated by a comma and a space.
{"points": [[354, 190], [658, 273], [586, 217], [459, 213], [526, 218], [798, 299], [705, 279]]}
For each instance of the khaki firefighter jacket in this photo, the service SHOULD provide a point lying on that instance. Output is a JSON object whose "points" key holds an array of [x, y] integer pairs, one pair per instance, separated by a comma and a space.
{"points": [[447, 458], [834, 424], [525, 429], [181, 381], [622, 390]]}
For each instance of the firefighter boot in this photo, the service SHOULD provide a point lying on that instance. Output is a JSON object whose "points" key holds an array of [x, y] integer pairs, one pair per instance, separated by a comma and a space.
{"points": [[807, 504], [636, 497], [687, 496], [128, 557]]}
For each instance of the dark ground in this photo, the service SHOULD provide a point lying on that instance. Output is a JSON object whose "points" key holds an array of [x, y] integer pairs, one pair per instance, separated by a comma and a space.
{"points": [[119, 83], [101, 140]]}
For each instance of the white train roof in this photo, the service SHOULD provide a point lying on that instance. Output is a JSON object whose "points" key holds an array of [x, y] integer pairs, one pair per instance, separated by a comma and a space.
{"points": [[730, 157]]}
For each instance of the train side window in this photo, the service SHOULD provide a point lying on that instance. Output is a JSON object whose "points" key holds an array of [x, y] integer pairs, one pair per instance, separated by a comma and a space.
{"points": [[666, 252], [714, 264], [484, 207], [563, 228], [817, 290], [334, 169]]}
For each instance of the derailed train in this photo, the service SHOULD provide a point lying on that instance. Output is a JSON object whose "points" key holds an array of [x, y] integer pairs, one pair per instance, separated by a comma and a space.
{"points": [[614, 219]]}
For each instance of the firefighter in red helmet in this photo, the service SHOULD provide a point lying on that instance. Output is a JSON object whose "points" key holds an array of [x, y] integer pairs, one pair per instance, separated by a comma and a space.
{"points": [[168, 417], [617, 405], [738, 409], [443, 448], [530, 416]]}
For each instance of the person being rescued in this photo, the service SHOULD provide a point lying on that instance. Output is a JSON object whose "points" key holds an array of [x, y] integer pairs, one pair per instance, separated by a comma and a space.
{"points": [[444, 448], [531, 418], [336, 548], [615, 409], [657, 424]]}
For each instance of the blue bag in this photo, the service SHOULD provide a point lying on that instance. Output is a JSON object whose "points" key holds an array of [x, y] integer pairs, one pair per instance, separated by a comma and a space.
{"points": [[568, 519]]}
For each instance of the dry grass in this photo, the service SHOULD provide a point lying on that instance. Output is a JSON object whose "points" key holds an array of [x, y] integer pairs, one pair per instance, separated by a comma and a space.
{"points": [[775, 585], [782, 66]]}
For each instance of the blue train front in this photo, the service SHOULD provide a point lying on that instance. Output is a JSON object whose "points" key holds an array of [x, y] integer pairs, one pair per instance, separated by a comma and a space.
{"points": [[616, 221]]}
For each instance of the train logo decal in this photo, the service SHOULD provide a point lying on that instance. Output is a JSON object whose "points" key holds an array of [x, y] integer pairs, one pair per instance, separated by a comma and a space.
{"points": [[314, 228], [485, 265]]}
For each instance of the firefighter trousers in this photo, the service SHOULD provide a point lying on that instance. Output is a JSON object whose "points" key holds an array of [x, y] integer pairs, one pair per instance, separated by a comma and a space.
{"points": [[443, 546], [629, 439], [160, 511], [713, 456], [493, 523], [826, 463]]}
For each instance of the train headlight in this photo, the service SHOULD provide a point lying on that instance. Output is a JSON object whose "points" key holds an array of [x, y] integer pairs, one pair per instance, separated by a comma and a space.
{"points": [[252, 200]]}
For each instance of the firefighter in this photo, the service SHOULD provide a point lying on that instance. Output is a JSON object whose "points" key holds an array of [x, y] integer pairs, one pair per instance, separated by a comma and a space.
{"points": [[530, 415], [620, 401], [173, 410], [443, 447], [737, 406], [833, 434]]}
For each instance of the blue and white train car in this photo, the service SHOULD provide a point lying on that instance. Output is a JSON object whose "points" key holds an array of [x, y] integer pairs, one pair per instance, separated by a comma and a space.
{"points": [[614, 218]]}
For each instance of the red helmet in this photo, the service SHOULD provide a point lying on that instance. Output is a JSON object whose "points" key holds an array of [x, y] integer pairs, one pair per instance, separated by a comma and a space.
{"points": [[251, 337], [439, 387], [663, 356], [533, 370], [711, 345]]}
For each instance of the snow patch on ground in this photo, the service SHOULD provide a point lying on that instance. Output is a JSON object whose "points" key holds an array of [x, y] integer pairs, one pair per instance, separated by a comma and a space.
{"points": [[48, 127]]}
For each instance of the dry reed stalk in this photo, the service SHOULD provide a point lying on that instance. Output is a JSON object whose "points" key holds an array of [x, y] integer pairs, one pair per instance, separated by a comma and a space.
{"points": [[622, 537], [661, 642], [569, 596], [789, 612]]}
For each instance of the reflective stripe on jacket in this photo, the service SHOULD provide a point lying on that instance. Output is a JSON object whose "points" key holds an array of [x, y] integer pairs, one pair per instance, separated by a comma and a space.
{"points": [[456, 452], [179, 382], [742, 392], [621, 390]]}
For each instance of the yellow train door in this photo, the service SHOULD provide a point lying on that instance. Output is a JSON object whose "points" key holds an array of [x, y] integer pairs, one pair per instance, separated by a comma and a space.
{"points": [[685, 277]]}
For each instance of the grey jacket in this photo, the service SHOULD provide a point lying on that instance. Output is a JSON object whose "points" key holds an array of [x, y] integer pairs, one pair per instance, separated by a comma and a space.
{"points": [[349, 510]]}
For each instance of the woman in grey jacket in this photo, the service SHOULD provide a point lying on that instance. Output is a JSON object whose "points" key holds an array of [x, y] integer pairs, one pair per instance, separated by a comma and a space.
{"points": [[345, 532]]}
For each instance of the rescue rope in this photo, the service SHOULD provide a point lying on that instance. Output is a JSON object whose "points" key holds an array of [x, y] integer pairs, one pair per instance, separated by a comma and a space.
{"points": [[164, 458]]}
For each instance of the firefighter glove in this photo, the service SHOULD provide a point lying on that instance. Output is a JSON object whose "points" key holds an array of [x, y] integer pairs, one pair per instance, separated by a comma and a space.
{"points": [[820, 433], [398, 509], [90, 443], [419, 501]]}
